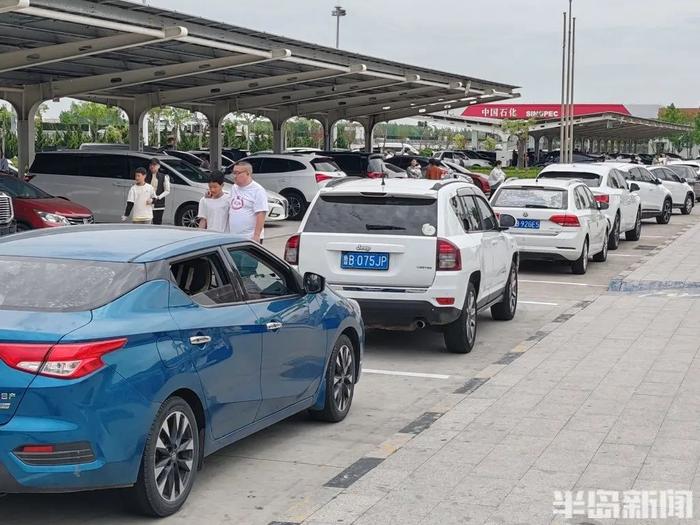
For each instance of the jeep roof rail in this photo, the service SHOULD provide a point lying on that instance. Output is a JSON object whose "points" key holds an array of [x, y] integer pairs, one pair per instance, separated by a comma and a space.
{"points": [[441, 184]]}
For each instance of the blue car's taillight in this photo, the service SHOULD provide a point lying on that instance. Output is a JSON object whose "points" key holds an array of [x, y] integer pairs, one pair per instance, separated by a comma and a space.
{"points": [[64, 361]]}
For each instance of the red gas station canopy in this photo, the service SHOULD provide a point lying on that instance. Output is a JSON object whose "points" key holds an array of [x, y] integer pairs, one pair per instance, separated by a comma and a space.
{"points": [[538, 111]]}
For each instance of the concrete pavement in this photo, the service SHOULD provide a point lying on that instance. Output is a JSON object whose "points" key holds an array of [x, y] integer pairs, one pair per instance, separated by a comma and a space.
{"points": [[283, 474], [607, 399]]}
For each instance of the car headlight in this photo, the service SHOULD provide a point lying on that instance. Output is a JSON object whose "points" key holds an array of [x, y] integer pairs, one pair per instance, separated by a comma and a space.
{"points": [[53, 218]]}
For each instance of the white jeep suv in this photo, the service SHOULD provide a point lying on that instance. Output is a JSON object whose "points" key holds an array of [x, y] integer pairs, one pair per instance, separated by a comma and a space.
{"points": [[556, 220], [608, 185], [413, 253]]}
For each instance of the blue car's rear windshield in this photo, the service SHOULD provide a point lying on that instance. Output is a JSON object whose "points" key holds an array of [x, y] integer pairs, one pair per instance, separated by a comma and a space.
{"points": [[64, 285]]}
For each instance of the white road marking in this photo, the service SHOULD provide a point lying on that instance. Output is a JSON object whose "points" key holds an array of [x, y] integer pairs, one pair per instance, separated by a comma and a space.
{"points": [[538, 303], [562, 282], [404, 374], [624, 255], [655, 237]]}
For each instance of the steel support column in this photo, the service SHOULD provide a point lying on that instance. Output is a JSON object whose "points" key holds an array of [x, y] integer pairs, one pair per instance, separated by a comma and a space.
{"points": [[25, 103], [215, 115], [277, 135], [136, 112]]}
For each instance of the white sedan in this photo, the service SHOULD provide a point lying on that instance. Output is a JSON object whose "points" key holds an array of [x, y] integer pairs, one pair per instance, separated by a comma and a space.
{"points": [[556, 220], [608, 186]]}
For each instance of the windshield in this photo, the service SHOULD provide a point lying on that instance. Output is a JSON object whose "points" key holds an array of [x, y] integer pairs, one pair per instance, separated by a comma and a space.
{"points": [[66, 285], [591, 180], [683, 171], [544, 198], [373, 215], [21, 190], [187, 170]]}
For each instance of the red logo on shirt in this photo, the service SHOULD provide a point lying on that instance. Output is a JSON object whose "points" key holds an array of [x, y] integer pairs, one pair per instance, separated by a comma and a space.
{"points": [[237, 203]]}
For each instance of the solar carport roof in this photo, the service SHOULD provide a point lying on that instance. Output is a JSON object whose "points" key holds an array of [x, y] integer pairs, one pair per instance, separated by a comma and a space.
{"points": [[138, 57], [613, 126]]}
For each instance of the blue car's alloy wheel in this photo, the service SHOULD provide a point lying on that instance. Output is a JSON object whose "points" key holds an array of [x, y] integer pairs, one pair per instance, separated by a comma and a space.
{"points": [[174, 459], [169, 463], [340, 382]]}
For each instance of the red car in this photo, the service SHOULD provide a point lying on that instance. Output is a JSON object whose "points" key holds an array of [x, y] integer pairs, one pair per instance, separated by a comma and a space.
{"points": [[34, 208]]}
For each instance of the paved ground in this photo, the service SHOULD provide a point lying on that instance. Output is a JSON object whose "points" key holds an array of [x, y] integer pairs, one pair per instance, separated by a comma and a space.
{"points": [[571, 393]]}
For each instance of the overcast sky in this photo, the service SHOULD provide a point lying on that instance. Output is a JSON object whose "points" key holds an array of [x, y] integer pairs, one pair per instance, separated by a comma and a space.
{"points": [[627, 51]]}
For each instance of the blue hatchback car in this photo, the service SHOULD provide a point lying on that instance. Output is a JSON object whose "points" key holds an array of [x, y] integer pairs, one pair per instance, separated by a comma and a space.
{"points": [[128, 353]]}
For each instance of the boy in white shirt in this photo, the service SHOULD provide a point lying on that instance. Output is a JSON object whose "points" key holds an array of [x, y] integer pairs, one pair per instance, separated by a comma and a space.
{"points": [[214, 208], [140, 200]]}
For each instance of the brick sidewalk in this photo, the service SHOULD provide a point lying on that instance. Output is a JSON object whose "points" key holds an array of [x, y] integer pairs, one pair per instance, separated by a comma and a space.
{"points": [[606, 397]]}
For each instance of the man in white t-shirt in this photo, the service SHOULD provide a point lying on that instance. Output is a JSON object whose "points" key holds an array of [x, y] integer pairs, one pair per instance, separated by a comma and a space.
{"points": [[249, 205], [214, 208], [139, 202]]}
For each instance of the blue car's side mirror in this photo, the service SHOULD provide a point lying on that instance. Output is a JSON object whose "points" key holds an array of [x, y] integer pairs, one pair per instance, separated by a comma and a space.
{"points": [[314, 283]]}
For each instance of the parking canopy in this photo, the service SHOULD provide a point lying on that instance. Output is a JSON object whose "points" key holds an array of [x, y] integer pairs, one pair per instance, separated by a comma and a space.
{"points": [[138, 57]]}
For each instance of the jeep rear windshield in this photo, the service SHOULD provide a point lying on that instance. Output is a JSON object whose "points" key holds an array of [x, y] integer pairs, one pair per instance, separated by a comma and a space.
{"points": [[369, 215], [525, 197], [64, 285], [591, 180]]}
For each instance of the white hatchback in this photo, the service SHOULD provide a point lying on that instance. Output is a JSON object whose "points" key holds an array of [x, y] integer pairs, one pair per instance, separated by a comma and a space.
{"points": [[608, 185], [556, 220], [413, 252], [682, 193], [657, 201]]}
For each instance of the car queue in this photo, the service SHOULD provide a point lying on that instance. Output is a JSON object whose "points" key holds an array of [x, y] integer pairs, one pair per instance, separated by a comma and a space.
{"points": [[380, 252]]}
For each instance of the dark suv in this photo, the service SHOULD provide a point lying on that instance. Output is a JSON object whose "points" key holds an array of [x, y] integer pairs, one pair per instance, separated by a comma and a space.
{"points": [[359, 163]]}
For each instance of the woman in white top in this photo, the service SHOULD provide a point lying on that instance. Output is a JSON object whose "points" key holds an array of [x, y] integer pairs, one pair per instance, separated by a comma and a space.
{"points": [[497, 176]]}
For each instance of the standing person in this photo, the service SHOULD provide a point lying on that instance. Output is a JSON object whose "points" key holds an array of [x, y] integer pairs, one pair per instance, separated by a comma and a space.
{"points": [[140, 200], [433, 172], [414, 170], [4, 164], [171, 145], [249, 205], [214, 207], [497, 176], [161, 185]]}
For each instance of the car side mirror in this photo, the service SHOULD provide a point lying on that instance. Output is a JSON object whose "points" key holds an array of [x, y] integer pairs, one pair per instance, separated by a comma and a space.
{"points": [[314, 283], [657, 181], [603, 205], [684, 180], [634, 186], [506, 221]]}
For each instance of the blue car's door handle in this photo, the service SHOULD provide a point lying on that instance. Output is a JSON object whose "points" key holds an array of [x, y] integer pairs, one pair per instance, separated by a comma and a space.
{"points": [[200, 339], [273, 326]]}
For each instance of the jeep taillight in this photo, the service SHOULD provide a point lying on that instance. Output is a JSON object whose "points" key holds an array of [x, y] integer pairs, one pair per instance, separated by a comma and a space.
{"points": [[448, 256], [291, 250]]}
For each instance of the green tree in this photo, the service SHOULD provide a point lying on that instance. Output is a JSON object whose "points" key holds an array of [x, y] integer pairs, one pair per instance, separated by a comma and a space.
{"points": [[521, 130], [675, 116], [98, 117], [8, 140], [490, 143], [460, 141]]}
